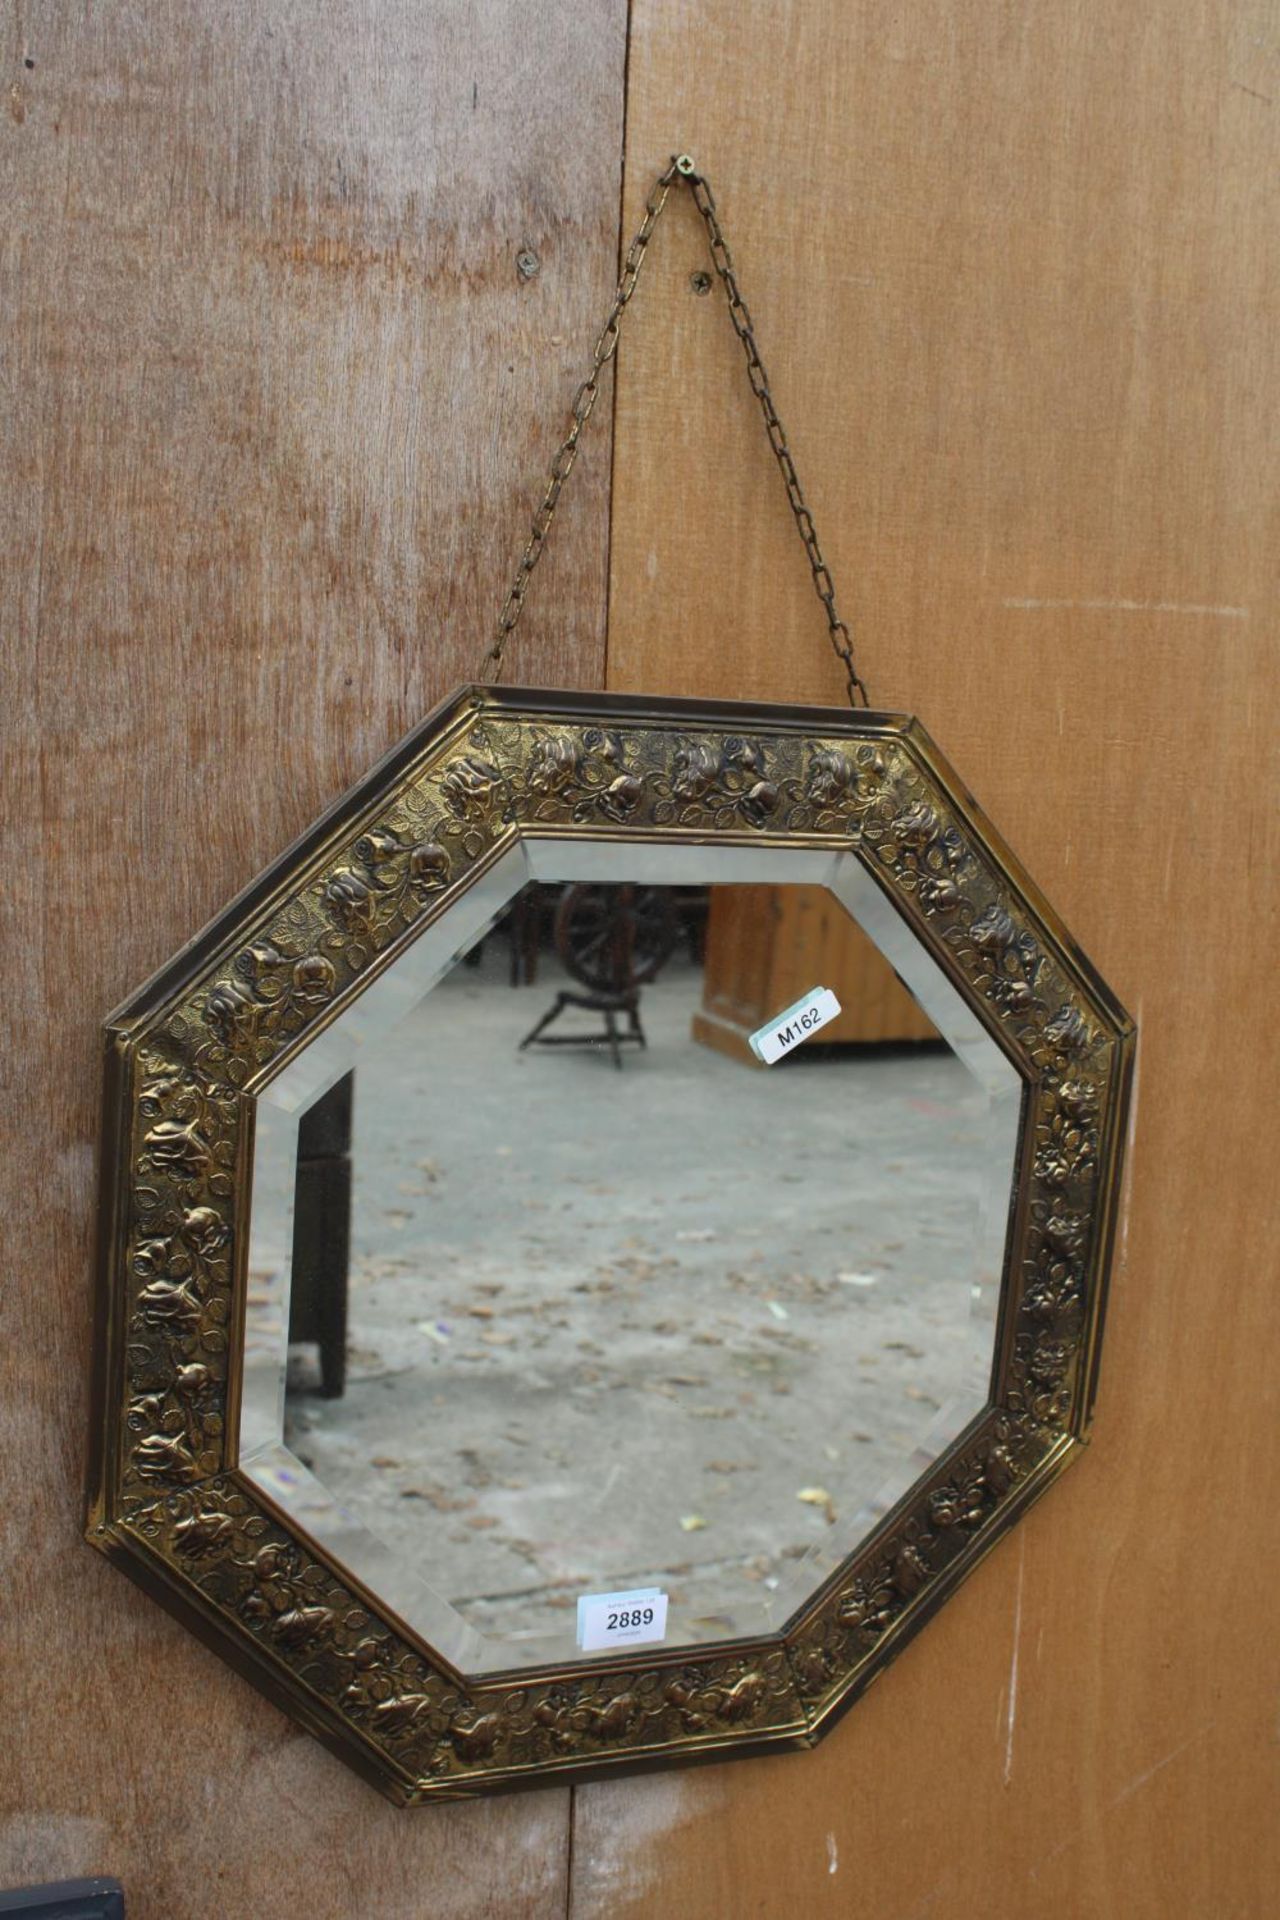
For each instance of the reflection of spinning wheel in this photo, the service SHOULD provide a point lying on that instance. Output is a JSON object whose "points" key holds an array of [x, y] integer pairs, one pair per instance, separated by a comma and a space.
{"points": [[615, 939]]}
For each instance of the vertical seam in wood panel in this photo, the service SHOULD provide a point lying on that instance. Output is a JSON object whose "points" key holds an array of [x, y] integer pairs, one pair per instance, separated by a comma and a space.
{"points": [[604, 664], [613, 398]]}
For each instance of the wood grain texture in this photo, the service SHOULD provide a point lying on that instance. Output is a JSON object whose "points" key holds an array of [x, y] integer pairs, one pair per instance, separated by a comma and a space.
{"points": [[276, 406], [1014, 271]]}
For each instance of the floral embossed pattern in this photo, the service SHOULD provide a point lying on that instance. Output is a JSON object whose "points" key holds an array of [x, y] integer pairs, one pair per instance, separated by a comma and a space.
{"points": [[187, 1055]]}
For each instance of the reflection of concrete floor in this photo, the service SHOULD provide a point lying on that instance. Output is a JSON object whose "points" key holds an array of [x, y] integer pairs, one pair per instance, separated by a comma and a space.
{"points": [[607, 1328]]}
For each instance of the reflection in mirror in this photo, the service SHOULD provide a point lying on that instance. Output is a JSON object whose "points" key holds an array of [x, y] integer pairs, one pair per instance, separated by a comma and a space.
{"points": [[555, 1290]]}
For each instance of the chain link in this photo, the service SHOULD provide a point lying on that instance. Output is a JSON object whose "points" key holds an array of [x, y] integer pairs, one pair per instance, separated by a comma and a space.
{"points": [[681, 168]]}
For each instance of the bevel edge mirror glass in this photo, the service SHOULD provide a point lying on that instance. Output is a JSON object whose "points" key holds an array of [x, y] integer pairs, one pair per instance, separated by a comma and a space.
{"points": [[954, 1099]]}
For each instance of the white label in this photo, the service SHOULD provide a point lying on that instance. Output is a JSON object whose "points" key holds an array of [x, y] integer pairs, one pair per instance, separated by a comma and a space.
{"points": [[801, 1021], [621, 1619]]}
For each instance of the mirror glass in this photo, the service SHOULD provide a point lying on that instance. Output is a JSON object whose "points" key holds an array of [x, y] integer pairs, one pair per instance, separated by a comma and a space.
{"points": [[556, 1290]]}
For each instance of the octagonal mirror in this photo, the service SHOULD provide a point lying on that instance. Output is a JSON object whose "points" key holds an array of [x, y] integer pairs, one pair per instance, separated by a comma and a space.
{"points": [[515, 1371]]}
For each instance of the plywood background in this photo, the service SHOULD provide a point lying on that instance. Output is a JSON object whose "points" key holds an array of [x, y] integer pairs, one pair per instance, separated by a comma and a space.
{"points": [[273, 397], [1014, 271]]}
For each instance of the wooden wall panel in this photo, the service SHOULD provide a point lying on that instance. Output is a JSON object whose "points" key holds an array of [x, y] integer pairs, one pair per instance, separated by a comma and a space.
{"points": [[1015, 275], [276, 403]]}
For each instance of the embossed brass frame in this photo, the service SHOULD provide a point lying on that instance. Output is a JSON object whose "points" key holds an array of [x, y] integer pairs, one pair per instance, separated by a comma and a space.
{"points": [[185, 1055]]}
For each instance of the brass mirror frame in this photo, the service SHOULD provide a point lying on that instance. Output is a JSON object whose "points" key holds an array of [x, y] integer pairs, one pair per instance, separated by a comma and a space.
{"points": [[186, 1054]]}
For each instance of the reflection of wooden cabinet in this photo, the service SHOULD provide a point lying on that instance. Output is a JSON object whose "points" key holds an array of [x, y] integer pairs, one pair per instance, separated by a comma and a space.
{"points": [[766, 946]]}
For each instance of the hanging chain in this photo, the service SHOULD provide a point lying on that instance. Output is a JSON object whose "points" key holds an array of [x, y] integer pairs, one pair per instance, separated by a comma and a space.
{"points": [[583, 402], [740, 315], [682, 167]]}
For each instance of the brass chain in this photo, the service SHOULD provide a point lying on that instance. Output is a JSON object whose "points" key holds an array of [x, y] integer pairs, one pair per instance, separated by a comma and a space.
{"points": [[681, 168]]}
